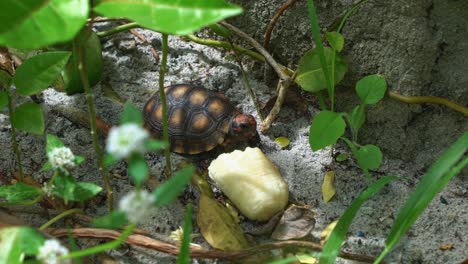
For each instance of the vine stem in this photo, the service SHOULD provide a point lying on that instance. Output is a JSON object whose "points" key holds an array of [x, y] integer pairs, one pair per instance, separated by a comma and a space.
{"points": [[14, 142], [428, 99], [162, 95], [103, 247], [78, 48], [117, 29], [60, 216]]}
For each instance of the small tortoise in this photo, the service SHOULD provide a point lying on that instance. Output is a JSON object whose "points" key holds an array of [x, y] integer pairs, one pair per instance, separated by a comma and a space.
{"points": [[199, 120]]}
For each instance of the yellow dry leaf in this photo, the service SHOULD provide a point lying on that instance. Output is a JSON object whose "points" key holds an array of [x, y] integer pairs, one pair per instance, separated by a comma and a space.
{"points": [[282, 141], [328, 190], [327, 231], [218, 227], [446, 246], [306, 259]]}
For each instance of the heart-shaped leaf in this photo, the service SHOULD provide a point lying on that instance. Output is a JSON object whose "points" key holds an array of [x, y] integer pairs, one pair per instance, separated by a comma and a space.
{"points": [[371, 89]]}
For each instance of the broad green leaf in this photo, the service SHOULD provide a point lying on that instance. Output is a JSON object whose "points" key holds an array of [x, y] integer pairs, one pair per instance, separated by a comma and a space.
{"points": [[155, 145], [172, 17], [336, 40], [169, 190], [67, 188], [70, 79], [333, 244], [310, 75], [3, 100], [5, 79], [16, 241], [184, 254], [19, 192], [116, 219], [452, 161], [371, 89], [14, 12], [131, 115], [28, 117], [325, 130], [85, 191], [44, 23], [138, 169], [341, 157], [357, 117], [369, 157], [38, 72], [53, 142]]}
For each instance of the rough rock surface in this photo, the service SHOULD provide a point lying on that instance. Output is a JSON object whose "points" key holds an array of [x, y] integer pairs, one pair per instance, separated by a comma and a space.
{"points": [[421, 48]]}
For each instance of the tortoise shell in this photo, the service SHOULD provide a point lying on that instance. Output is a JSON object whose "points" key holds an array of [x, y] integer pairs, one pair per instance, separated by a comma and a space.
{"points": [[198, 119]]}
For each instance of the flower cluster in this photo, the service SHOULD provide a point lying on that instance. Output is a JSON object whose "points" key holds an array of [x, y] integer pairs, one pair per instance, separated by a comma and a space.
{"points": [[51, 251], [137, 205], [61, 158], [125, 140]]}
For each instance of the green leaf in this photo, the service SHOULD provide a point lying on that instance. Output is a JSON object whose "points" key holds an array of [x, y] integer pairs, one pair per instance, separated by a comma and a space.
{"points": [[46, 167], [325, 130], [28, 117], [220, 30], [3, 99], [13, 12], [336, 40], [357, 117], [155, 145], [70, 79], [16, 241], [85, 190], [310, 75], [184, 254], [131, 115], [333, 244], [116, 219], [369, 157], [109, 160], [79, 159], [169, 190], [43, 23], [452, 161], [138, 169], [371, 89], [67, 188], [341, 157], [53, 142], [38, 72], [172, 17], [5, 79], [19, 192]]}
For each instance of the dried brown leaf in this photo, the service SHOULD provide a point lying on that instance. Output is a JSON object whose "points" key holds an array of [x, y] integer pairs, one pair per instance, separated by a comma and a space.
{"points": [[297, 222]]}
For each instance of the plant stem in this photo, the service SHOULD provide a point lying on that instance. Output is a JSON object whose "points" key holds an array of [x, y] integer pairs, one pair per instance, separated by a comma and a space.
{"points": [[428, 99], [348, 13], [321, 99], [318, 45], [103, 247], [162, 95], [78, 48], [14, 142], [60, 216], [117, 29], [227, 45]]}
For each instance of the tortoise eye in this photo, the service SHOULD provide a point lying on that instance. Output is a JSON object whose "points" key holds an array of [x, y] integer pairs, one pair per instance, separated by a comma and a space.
{"points": [[244, 125]]}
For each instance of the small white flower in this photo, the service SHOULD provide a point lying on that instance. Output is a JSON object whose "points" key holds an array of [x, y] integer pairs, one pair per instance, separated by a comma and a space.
{"points": [[51, 251], [125, 140], [61, 158], [48, 188], [137, 205]]}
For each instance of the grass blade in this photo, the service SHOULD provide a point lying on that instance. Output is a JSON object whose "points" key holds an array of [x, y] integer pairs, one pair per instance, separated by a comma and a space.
{"points": [[333, 245], [184, 253], [438, 175]]}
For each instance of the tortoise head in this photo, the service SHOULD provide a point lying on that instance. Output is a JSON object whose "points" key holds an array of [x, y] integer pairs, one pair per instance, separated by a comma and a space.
{"points": [[244, 126]]}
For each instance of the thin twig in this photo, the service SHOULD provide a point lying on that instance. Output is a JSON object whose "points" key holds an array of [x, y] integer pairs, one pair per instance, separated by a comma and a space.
{"points": [[81, 118], [197, 252], [162, 95], [79, 48], [429, 100], [274, 19]]}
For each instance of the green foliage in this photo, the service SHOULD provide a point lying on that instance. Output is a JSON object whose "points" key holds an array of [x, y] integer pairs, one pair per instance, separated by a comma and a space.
{"points": [[333, 244], [156, 145], [41, 24], [116, 219], [184, 254], [336, 40], [168, 16], [220, 30], [29, 117], [326, 129], [310, 75], [70, 80], [137, 168], [38, 72], [53, 142], [371, 89], [3, 100], [17, 241], [356, 118], [19, 193], [369, 157], [452, 161], [67, 188], [131, 115], [169, 190]]}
